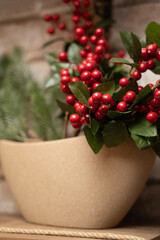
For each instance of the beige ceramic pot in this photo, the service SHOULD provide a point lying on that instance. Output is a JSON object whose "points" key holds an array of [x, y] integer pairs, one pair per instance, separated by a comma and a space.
{"points": [[63, 183]]}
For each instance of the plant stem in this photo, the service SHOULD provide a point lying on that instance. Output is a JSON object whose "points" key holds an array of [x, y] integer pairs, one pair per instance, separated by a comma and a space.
{"points": [[76, 132], [66, 124], [156, 85]]}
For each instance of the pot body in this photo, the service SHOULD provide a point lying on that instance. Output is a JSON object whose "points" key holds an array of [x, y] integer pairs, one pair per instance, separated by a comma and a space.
{"points": [[63, 183]]}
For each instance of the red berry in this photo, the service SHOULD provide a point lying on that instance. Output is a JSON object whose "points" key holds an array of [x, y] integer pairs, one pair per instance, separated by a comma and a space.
{"points": [[66, 1], [62, 26], [91, 102], [64, 88], [82, 110], [122, 106], [77, 104], [76, 125], [83, 53], [143, 67], [130, 96], [74, 79], [103, 109], [65, 79], [150, 84], [123, 82], [102, 42], [88, 48], [86, 15], [107, 98], [108, 56], [88, 24], [81, 68], [86, 3], [70, 99], [55, 17], [79, 31], [75, 18], [87, 118], [158, 55], [158, 81], [95, 85], [86, 76], [107, 47], [99, 116], [76, 3], [97, 58], [99, 32], [151, 64], [51, 30], [152, 117], [90, 66], [93, 39], [113, 105], [47, 17], [121, 53], [140, 88], [154, 102], [144, 54], [63, 57], [93, 109], [97, 97], [157, 93], [64, 72], [96, 74], [74, 118], [84, 40], [151, 49], [143, 108], [99, 49], [136, 75]]}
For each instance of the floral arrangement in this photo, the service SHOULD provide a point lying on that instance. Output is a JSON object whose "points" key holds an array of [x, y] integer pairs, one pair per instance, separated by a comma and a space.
{"points": [[104, 99]]}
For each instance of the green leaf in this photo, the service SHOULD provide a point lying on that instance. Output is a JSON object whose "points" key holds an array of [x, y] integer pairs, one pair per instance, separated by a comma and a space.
{"points": [[52, 41], [106, 87], [140, 141], [117, 96], [153, 33], [73, 53], [54, 80], [121, 60], [142, 95], [51, 58], [127, 41], [143, 128], [104, 65], [80, 91], [94, 141], [114, 114], [105, 23], [115, 133], [94, 125], [136, 48], [66, 107]]}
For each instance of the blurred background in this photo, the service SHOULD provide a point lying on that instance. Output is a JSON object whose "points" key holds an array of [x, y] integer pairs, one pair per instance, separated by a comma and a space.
{"points": [[21, 24]]}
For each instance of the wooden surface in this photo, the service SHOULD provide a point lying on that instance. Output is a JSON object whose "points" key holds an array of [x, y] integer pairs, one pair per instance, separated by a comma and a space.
{"points": [[12, 221]]}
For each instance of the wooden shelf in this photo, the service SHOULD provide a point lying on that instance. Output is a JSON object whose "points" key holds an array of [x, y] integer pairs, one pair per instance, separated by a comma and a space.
{"points": [[12, 222]]}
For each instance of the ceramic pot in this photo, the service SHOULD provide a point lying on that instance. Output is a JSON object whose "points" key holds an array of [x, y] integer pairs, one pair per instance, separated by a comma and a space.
{"points": [[63, 183]]}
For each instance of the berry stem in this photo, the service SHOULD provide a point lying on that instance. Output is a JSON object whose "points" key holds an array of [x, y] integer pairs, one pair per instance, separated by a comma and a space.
{"points": [[66, 124], [156, 85], [76, 132]]}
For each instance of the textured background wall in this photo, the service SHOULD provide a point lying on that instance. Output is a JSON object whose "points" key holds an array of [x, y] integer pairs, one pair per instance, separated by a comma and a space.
{"points": [[21, 24]]}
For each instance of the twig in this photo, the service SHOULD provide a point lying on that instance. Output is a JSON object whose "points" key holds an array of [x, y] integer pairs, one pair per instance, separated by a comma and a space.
{"points": [[156, 85], [76, 133], [66, 124]]}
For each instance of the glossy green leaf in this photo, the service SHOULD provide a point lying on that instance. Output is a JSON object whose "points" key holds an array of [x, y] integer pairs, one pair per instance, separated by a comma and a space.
{"points": [[54, 80], [106, 87], [142, 95], [105, 23], [73, 53], [153, 33], [114, 114], [143, 128], [80, 91], [156, 148], [127, 41], [46, 44], [136, 48], [123, 61], [66, 107], [114, 133], [94, 141], [141, 142], [94, 125]]}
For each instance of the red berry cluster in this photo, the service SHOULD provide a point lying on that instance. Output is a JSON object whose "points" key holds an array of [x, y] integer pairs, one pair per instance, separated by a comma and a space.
{"points": [[80, 16]]}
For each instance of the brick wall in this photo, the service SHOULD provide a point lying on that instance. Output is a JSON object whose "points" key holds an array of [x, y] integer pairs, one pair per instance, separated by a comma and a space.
{"points": [[21, 24]]}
